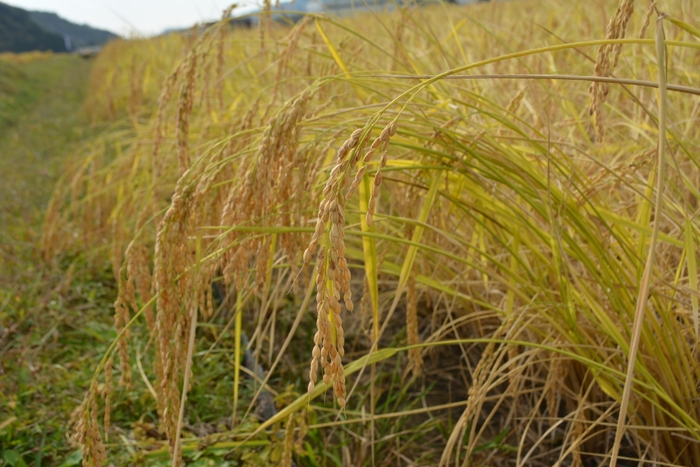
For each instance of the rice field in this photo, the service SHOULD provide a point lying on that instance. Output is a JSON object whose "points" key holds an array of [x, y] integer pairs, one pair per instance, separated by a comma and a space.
{"points": [[439, 235]]}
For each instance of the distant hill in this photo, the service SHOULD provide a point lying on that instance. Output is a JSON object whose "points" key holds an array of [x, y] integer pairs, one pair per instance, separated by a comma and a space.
{"points": [[80, 35], [24, 31], [18, 33]]}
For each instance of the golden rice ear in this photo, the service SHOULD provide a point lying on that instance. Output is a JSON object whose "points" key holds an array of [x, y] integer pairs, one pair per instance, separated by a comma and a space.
{"points": [[333, 277], [605, 63], [87, 430], [121, 318], [184, 108], [106, 395]]}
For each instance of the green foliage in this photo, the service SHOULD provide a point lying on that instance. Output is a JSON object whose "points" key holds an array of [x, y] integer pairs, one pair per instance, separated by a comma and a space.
{"points": [[18, 33], [44, 356], [13, 459]]}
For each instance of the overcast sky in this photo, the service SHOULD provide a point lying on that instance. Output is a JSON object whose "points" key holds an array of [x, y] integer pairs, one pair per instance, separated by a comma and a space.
{"points": [[146, 17]]}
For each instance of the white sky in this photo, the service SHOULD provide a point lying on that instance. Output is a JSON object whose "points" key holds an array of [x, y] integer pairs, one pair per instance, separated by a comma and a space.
{"points": [[124, 17]]}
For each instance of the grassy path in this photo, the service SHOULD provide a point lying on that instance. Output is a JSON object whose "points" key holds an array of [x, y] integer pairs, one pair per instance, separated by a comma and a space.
{"points": [[54, 321], [39, 122]]}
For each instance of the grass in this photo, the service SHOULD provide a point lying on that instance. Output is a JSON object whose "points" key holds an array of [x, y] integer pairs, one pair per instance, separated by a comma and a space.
{"points": [[507, 259], [55, 320], [39, 121]]}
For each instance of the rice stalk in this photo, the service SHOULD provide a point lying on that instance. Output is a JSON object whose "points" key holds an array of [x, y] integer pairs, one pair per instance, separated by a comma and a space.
{"points": [[646, 278]]}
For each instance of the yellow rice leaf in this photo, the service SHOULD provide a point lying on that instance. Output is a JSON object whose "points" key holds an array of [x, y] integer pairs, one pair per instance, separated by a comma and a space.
{"points": [[369, 251], [332, 49], [684, 26], [418, 230], [691, 260]]}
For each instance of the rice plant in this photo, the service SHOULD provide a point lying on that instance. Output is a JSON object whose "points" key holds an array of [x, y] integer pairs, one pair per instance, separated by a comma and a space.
{"points": [[477, 224]]}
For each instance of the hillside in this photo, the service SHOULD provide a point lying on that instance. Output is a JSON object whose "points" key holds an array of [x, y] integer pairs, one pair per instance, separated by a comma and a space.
{"points": [[81, 35], [18, 33]]}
